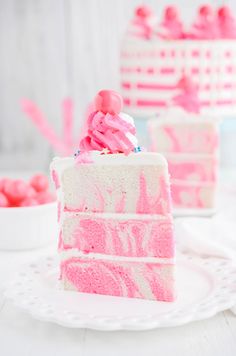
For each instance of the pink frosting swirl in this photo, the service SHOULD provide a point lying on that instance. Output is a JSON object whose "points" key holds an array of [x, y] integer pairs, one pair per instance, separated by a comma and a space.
{"points": [[108, 128], [188, 98], [171, 26], [205, 27], [226, 23]]}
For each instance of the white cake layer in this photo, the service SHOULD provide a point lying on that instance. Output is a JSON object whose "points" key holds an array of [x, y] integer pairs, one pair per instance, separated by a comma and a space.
{"points": [[115, 183]]}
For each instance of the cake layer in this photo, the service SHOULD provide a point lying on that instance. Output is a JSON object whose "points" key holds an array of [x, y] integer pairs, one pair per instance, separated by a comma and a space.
{"points": [[192, 167], [119, 234], [132, 279], [193, 195], [186, 133], [137, 183], [150, 70]]}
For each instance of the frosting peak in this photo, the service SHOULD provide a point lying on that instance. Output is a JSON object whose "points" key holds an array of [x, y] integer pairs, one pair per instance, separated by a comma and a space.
{"points": [[205, 27], [226, 23], [109, 128], [171, 26]]}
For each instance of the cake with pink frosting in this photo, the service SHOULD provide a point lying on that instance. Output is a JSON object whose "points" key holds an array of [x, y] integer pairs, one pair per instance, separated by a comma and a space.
{"points": [[114, 208], [155, 54], [189, 141]]}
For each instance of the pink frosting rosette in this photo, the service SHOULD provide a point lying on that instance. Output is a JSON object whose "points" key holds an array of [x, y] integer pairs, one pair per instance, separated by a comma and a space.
{"points": [[143, 23], [205, 27], [108, 129], [171, 27], [226, 23]]}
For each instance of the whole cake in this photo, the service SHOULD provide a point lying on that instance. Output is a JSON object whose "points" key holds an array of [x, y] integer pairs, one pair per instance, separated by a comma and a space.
{"points": [[116, 229], [155, 55], [189, 141]]}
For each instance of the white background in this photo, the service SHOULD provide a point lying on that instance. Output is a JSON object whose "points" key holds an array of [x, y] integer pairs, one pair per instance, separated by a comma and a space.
{"points": [[50, 49]]}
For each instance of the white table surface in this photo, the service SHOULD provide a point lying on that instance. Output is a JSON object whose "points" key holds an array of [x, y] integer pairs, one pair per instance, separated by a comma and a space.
{"points": [[21, 335]]}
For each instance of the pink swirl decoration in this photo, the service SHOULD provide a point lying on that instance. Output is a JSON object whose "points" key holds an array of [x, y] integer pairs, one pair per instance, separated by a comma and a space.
{"points": [[188, 99], [171, 26], [107, 129], [226, 23]]}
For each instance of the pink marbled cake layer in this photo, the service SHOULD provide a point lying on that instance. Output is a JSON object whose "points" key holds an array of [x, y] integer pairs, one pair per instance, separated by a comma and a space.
{"points": [[176, 136], [193, 195], [117, 234], [145, 280], [195, 168], [138, 184]]}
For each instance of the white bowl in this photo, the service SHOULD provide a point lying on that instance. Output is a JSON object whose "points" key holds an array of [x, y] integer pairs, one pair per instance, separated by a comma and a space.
{"points": [[28, 227]]}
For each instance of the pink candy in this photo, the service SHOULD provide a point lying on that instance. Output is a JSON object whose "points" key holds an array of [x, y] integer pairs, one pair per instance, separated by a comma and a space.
{"points": [[39, 182], [108, 101], [18, 193], [3, 201]]}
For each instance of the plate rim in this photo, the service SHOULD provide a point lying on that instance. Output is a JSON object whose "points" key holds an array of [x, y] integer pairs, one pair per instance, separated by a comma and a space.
{"points": [[219, 303]]}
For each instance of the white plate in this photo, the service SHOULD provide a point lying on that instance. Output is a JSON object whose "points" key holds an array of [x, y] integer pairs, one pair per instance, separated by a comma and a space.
{"points": [[205, 286]]}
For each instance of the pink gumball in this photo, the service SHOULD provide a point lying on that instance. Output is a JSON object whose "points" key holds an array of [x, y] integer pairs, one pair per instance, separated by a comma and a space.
{"points": [[171, 13], [28, 202], [108, 101], [205, 10], [3, 183], [15, 190], [45, 197], [39, 182], [143, 11], [224, 12], [4, 203]]}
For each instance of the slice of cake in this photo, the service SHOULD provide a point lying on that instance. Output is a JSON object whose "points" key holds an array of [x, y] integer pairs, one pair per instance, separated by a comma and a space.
{"points": [[116, 228], [189, 141]]}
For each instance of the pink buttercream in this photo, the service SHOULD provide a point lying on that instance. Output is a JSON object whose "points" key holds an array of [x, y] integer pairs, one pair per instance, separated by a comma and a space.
{"points": [[188, 99], [226, 23], [171, 26], [107, 129]]}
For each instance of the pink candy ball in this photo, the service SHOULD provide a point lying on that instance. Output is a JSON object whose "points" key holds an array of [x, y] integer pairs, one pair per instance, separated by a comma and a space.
{"points": [[108, 101], [29, 202], [206, 10], [224, 12], [143, 11], [3, 182], [45, 197], [15, 190], [4, 203], [39, 182], [171, 13]]}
